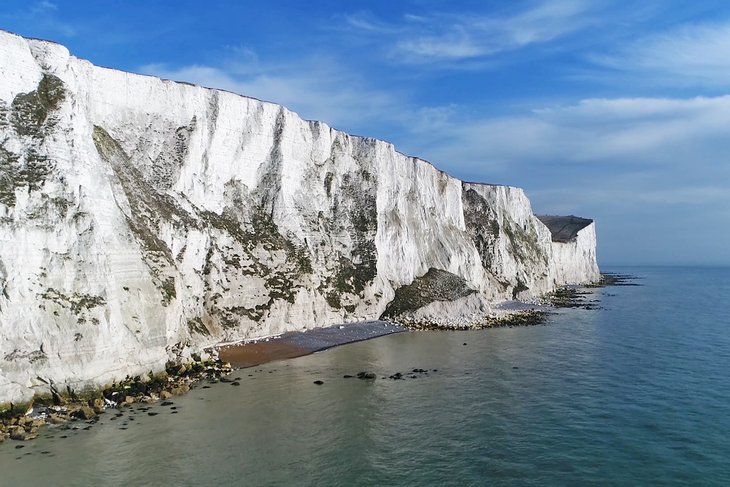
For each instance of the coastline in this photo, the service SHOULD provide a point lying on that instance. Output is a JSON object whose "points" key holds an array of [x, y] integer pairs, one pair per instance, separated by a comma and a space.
{"points": [[22, 421], [544, 378]]}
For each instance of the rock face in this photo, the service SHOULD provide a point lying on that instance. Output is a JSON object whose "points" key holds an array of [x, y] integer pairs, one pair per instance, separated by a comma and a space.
{"points": [[142, 218], [573, 247]]}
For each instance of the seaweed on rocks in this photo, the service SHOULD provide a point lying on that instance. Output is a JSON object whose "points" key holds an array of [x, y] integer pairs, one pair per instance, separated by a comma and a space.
{"points": [[23, 421], [615, 279], [570, 297], [575, 296]]}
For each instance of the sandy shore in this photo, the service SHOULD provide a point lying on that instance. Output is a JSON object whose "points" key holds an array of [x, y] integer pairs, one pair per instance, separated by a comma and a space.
{"points": [[296, 343]]}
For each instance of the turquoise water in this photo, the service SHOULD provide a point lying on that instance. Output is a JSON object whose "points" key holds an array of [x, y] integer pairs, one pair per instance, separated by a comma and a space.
{"points": [[636, 393]]}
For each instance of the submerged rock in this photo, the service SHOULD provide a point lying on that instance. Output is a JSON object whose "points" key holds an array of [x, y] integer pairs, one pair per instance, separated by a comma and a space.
{"points": [[82, 412]]}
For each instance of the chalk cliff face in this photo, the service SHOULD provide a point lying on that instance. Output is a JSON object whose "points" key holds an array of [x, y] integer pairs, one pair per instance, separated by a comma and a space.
{"points": [[142, 219], [573, 248]]}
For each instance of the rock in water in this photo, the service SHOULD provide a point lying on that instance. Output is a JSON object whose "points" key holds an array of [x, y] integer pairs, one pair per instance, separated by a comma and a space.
{"points": [[146, 219], [83, 412]]}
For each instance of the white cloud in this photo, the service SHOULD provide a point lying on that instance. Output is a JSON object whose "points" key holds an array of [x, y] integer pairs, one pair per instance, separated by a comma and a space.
{"points": [[44, 16], [451, 37], [689, 55], [366, 22], [316, 89], [596, 131], [623, 161], [44, 6], [647, 169], [630, 198], [455, 44]]}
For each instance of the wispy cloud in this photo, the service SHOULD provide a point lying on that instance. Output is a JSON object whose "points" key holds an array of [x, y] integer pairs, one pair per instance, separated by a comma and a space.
{"points": [[429, 38], [44, 15], [316, 88], [652, 168], [643, 130], [365, 21], [690, 55], [44, 7]]}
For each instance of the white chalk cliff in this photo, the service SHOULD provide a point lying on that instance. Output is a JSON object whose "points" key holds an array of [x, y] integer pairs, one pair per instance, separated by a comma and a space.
{"points": [[141, 219]]}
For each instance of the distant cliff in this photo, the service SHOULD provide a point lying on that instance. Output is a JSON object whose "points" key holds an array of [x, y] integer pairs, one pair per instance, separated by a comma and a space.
{"points": [[142, 219]]}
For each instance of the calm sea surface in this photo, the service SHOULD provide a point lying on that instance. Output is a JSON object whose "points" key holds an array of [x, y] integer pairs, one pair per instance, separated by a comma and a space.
{"points": [[636, 393]]}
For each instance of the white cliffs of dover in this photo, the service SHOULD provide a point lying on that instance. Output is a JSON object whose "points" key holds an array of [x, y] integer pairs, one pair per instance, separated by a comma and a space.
{"points": [[144, 219]]}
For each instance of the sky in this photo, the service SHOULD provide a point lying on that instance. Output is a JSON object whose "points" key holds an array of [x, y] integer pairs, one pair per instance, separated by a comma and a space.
{"points": [[613, 110]]}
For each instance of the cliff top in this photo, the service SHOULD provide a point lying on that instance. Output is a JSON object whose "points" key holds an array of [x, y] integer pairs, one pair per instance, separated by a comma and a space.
{"points": [[564, 228], [415, 159]]}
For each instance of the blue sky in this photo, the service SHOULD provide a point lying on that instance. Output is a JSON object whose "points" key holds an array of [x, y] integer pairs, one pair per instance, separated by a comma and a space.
{"points": [[614, 110]]}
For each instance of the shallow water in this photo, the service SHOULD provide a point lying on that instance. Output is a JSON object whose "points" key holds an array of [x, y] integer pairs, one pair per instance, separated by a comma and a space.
{"points": [[636, 393]]}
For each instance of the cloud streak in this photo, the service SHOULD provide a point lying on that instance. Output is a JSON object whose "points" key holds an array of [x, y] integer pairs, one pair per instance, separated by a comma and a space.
{"points": [[595, 131], [691, 55], [318, 89], [428, 38], [45, 15]]}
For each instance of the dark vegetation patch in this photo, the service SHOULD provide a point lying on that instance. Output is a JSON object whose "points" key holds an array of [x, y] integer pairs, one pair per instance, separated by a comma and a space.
{"points": [[30, 115], [31, 112], [165, 169], [435, 285], [168, 290], [196, 325], [31, 356], [520, 287], [9, 176], [76, 302], [234, 313], [481, 225], [247, 221], [355, 212], [30, 171], [523, 244], [328, 183], [259, 232]]}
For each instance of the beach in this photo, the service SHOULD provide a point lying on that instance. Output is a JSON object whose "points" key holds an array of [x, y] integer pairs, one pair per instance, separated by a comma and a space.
{"points": [[298, 343]]}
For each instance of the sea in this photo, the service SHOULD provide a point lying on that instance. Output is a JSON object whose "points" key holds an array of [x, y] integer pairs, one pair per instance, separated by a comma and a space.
{"points": [[634, 393]]}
